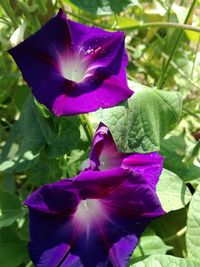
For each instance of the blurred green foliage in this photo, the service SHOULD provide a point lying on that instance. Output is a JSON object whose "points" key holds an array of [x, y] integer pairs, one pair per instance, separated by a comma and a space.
{"points": [[36, 148]]}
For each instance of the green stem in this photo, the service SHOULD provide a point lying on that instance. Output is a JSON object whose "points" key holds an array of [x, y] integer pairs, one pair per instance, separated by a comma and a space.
{"points": [[189, 112], [87, 126], [163, 74], [63, 165], [177, 235], [164, 25]]}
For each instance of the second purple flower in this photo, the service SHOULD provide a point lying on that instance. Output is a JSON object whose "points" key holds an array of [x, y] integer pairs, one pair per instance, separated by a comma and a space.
{"points": [[96, 218]]}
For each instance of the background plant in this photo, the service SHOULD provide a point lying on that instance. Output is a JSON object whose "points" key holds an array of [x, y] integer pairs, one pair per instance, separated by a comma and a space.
{"points": [[162, 40]]}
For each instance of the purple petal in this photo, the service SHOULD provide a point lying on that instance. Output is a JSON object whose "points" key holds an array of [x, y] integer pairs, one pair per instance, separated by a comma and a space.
{"points": [[43, 199], [93, 94], [72, 68], [43, 257], [148, 165], [104, 153], [71, 260], [133, 198], [50, 238], [130, 208], [95, 184], [102, 50], [37, 58]]}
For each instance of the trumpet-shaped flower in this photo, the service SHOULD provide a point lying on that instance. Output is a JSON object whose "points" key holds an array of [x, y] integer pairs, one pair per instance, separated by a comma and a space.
{"points": [[105, 155], [96, 218], [73, 68]]}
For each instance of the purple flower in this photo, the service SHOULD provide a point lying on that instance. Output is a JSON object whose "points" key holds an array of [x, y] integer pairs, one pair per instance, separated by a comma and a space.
{"points": [[105, 155], [95, 218], [73, 68]]}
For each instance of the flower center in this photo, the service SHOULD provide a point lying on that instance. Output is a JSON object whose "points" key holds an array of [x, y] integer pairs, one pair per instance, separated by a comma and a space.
{"points": [[73, 69], [88, 211]]}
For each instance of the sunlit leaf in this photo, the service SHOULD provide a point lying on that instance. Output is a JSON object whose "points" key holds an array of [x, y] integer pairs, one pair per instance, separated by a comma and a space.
{"points": [[193, 228], [172, 192], [164, 261], [140, 123], [10, 208], [104, 7], [149, 244], [174, 149]]}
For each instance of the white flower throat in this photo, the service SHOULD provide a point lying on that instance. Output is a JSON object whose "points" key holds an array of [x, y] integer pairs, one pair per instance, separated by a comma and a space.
{"points": [[73, 69], [88, 210]]}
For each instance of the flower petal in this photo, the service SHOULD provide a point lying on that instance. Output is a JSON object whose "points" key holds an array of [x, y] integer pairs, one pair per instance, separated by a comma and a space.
{"points": [[58, 198], [37, 58], [102, 50], [43, 257], [72, 261], [95, 184], [50, 238], [148, 165], [92, 94], [104, 153], [129, 208], [121, 251], [133, 198]]}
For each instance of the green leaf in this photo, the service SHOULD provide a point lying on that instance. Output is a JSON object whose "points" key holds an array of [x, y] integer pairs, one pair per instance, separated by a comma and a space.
{"points": [[171, 228], [7, 80], [172, 192], [140, 123], [164, 261], [10, 208], [149, 243], [104, 7], [34, 132], [26, 134], [192, 153], [174, 149], [20, 95], [193, 228], [67, 138], [13, 249], [45, 171]]}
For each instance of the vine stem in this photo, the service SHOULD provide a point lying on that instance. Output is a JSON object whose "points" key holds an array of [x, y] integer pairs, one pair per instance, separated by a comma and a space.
{"points": [[161, 80], [180, 233], [164, 25], [87, 126]]}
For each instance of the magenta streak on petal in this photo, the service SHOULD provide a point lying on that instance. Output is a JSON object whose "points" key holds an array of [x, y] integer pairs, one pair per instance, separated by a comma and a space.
{"points": [[142, 159], [100, 51]]}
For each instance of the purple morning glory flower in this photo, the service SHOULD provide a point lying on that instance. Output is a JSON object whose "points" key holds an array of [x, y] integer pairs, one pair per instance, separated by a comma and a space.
{"points": [[95, 218], [73, 68], [105, 155]]}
